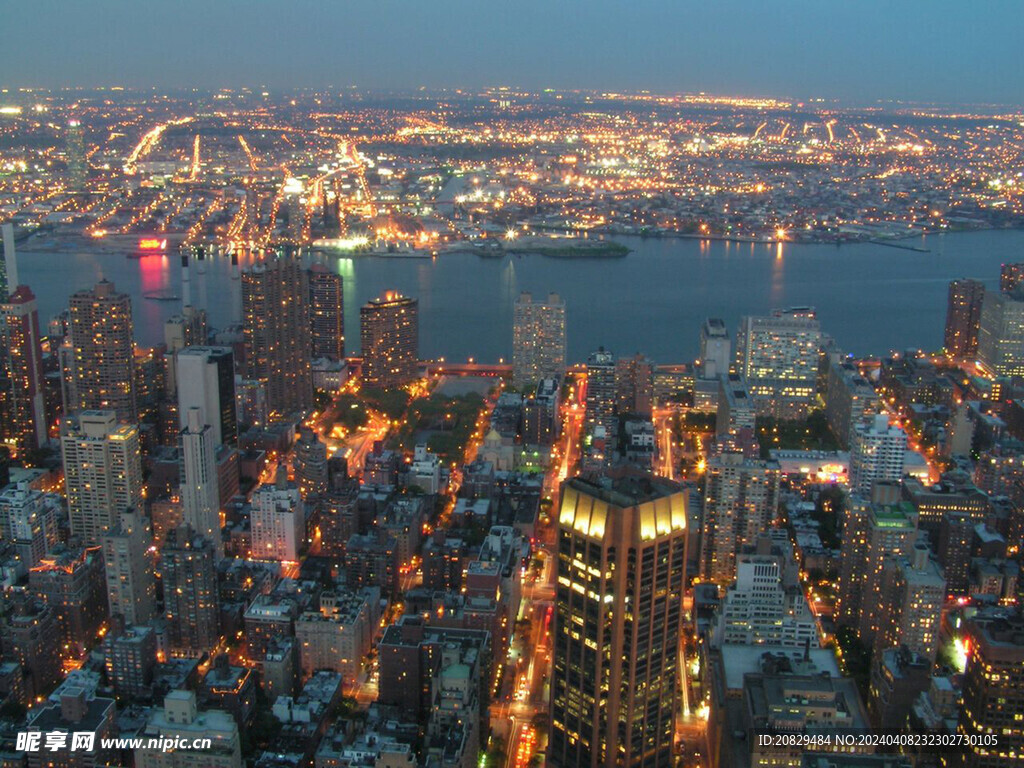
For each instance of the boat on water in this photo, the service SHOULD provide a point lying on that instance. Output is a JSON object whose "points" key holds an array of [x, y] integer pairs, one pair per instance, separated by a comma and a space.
{"points": [[161, 296]]}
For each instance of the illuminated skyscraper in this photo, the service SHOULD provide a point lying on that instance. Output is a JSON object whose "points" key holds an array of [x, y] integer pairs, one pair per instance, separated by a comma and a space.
{"points": [[877, 451], [131, 588], [102, 354], [206, 380], [22, 416], [389, 329], [78, 168], [192, 604], [1001, 333], [102, 472], [538, 339], [200, 489], [601, 394], [326, 313], [275, 300], [778, 356], [278, 520], [9, 267], [618, 608], [872, 533], [963, 316], [740, 501]]}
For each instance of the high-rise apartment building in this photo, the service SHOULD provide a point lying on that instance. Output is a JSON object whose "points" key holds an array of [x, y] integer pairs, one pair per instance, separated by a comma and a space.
{"points": [[1001, 333], [188, 564], [634, 385], [131, 588], [778, 356], [102, 471], [993, 693], [206, 380], [538, 339], [326, 313], [715, 349], [963, 317], [200, 487], [849, 398], [913, 594], [275, 308], [735, 416], [765, 606], [616, 631], [102, 352], [278, 520], [29, 519], [22, 413], [310, 464], [877, 453], [601, 394], [871, 534], [740, 501], [389, 332]]}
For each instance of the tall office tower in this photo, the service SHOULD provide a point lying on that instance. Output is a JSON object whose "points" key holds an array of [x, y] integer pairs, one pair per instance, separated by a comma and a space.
{"points": [[389, 330], [275, 301], [993, 693], [200, 489], [22, 415], [1001, 333], [963, 316], [601, 394], [913, 595], [877, 452], [715, 349], [188, 569], [102, 352], [310, 464], [778, 355], [78, 168], [294, 203], [326, 313], [740, 500], [278, 520], [634, 385], [538, 339], [618, 609], [131, 588], [102, 471], [185, 330], [206, 380], [1010, 276], [735, 417], [849, 398], [872, 533], [9, 268]]}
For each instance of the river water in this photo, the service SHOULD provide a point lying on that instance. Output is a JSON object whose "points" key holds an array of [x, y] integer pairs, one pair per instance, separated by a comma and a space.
{"points": [[871, 298]]}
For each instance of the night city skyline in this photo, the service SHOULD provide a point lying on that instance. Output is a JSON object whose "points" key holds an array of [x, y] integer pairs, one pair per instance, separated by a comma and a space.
{"points": [[475, 385]]}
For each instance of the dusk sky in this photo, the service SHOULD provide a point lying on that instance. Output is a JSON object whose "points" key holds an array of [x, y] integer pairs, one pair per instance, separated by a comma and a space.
{"points": [[919, 50]]}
